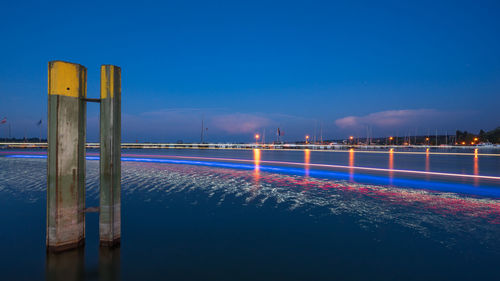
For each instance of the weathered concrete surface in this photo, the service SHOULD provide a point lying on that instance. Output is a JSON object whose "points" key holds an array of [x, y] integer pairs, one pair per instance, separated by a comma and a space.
{"points": [[66, 156], [110, 163]]}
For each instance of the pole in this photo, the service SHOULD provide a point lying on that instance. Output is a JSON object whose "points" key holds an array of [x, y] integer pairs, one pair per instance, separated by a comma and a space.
{"points": [[202, 129], [110, 157], [5, 136], [66, 156]]}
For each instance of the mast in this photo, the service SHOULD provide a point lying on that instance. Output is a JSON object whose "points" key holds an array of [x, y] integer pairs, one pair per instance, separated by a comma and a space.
{"points": [[321, 133], [436, 137], [202, 130], [314, 138]]}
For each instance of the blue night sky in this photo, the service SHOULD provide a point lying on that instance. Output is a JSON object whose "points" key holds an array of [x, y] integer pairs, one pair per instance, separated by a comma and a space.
{"points": [[390, 66]]}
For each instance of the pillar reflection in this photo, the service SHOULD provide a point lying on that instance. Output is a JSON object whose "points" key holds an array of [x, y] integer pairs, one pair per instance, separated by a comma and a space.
{"points": [[109, 264], [70, 265], [66, 266]]}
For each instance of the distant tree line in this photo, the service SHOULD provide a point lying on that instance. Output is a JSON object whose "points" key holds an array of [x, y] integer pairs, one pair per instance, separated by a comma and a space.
{"points": [[492, 136], [460, 138]]}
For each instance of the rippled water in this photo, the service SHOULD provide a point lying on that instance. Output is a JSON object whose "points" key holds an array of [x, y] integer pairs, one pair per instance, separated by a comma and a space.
{"points": [[187, 222]]}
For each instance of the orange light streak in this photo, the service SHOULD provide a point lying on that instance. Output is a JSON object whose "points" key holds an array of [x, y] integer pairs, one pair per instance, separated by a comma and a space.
{"points": [[351, 164], [391, 165], [476, 167], [256, 161], [307, 160]]}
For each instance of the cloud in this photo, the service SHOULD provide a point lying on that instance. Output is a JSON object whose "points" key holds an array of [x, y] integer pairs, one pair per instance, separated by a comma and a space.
{"points": [[239, 123], [172, 124], [389, 118]]}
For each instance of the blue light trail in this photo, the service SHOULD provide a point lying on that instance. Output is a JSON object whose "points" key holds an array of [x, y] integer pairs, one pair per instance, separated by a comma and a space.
{"points": [[489, 191]]}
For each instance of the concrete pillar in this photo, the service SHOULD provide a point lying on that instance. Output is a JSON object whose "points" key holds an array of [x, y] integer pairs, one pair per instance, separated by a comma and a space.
{"points": [[110, 165], [66, 156]]}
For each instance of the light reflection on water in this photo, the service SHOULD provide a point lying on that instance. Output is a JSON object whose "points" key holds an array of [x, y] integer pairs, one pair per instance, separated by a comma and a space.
{"points": [[427, 161], [447, 218], [391, 165], [420, 210], [256, 156], [458, 163], [351, 164], [476, 168], [307, 161]]}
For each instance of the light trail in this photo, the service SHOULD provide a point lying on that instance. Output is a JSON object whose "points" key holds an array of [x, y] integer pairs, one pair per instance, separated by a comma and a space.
{"points": [[415, 172], [490, 191], [324, 166], [335, 151]]}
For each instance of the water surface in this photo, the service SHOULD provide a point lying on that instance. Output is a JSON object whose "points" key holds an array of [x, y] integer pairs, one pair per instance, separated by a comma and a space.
{"points": [[188, 221]]}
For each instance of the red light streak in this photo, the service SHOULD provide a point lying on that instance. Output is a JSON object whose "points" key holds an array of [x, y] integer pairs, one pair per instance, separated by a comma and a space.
{"points": [[324, 166]]}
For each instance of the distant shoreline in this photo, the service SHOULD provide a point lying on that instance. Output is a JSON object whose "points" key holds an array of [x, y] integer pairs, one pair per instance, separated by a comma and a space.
{"points": [[277, 147]]}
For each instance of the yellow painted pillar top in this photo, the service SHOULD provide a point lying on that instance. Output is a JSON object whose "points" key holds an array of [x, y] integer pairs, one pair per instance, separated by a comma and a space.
{"points": [[110, 78], [67, 79]]}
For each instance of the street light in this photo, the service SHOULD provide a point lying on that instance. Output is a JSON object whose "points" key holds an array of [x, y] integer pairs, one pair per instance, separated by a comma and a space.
{"points": [[256, 138], [307, 139]]}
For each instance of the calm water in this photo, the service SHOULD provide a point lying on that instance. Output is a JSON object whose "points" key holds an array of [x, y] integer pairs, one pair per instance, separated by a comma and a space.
{"points": [[191, 217]]}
